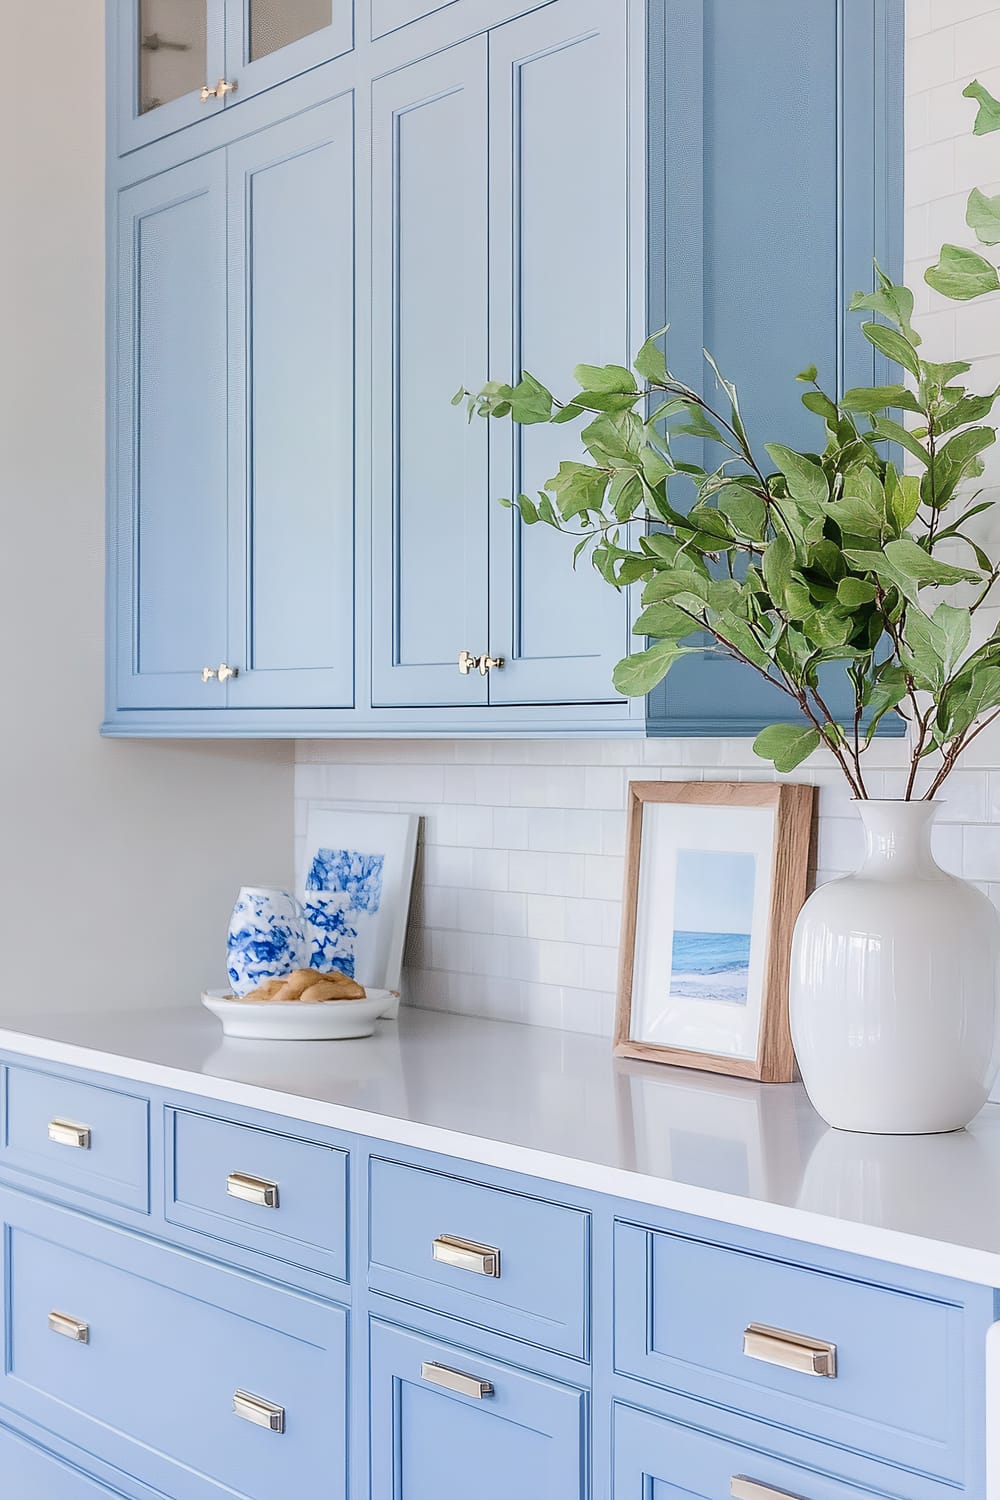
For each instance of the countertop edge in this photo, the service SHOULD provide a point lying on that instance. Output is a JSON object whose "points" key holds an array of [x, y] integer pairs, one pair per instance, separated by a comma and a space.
{"points": [[896, 1247]]}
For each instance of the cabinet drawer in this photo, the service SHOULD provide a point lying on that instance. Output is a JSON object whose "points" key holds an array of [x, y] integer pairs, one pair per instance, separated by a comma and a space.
{"points": [[446, 1422], [29, 1473], [656, 1457], [138, 1354], [276, 1194], [508, 1262], [83, 1136], [877, 1369]]}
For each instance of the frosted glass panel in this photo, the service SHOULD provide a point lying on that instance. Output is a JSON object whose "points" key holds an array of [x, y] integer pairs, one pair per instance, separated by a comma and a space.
{"points": [[173, 48], [277, 23]]}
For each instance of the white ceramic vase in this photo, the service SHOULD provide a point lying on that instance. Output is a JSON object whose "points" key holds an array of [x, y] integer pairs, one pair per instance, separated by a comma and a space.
{"points": [[894, 986]]}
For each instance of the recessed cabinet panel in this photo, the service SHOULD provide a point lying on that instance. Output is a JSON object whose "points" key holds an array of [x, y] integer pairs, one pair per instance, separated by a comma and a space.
{"points": [[171, 438], [270, 41], [31, 1474], [172, 51], [291, 203], [144, 1364], [277, 23], [429, 329], [449, 1423], [559, 278]]}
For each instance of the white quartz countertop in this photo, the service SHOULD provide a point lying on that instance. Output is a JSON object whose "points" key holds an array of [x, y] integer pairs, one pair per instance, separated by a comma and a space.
{"points": [[556, 1105]]}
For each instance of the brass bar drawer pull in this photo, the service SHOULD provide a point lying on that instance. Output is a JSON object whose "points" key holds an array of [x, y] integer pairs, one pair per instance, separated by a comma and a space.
{"points": [[252, 1189], [741, 1488], [455, 1380], [792, 1350], [66, 1133], [466, 1255], [70, 1328], [258, 1411]]}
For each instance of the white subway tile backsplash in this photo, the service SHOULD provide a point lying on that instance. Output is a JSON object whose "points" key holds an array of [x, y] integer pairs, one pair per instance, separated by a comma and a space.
{"points": [[517, 907]]}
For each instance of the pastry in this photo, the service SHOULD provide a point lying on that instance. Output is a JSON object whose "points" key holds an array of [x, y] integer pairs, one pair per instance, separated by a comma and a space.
{"points": [[308, 985]]}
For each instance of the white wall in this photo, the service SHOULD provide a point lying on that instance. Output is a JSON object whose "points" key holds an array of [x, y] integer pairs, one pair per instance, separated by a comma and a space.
{"points": [[118, 861], [517, 907]]}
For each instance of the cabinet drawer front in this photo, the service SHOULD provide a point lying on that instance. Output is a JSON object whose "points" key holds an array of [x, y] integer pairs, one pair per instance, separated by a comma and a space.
{"points": [[29, 1473], [82, 1136], [160, 1347], [522, 1435], [872, 1368], [271, 1193], [659, 1460], [492, 1257]]}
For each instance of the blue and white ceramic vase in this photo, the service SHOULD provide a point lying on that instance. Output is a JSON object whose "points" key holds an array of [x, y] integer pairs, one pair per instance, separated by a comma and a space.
{"points": [[267, 938]]}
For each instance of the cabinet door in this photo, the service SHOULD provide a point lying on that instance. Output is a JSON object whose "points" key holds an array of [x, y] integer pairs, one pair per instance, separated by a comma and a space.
{"points": [[268, 41], [163, 53], [449, 1424], [170, 539], [659, 1460], [291, 467], [429, 333], [746, 264], [559, 294], [29, 1473]]}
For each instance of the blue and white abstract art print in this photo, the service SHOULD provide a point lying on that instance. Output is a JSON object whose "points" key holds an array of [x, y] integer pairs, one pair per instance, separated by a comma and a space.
{"points": [[357, 872]]}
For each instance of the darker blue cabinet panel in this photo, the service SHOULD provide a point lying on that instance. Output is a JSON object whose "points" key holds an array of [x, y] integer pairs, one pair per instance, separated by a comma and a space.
{"points": [[775, 178]]}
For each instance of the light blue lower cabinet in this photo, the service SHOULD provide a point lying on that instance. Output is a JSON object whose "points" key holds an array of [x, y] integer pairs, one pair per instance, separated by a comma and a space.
{"points": [[448, 1423], [280, 1311]]}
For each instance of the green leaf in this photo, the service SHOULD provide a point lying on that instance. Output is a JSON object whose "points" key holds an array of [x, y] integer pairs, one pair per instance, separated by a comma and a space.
{"points": [[820, 403], [962, 274], [903, 499], [894, 432], [530, 401], [967, 409], [787, 745], [730, 390], [777, 566], [913, 564], [923, 657], [853, 593], [878, 398], [891, 301], [746, 511], [808, 375], [806, 481], [577, 488], [528, 509], [955, 627], [983, 215], [664, 622], [639, 673], [605, 378], [952, 462], [988, 116], [650, 362], [887, 693], [894, 345]]}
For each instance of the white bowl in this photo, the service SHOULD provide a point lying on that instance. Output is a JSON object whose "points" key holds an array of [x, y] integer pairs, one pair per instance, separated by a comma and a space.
{"points": [[291, 1021]]}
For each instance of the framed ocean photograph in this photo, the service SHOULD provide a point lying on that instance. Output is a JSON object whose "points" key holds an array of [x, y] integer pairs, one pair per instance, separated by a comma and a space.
{"points": [[715, 874], [356, 876]]}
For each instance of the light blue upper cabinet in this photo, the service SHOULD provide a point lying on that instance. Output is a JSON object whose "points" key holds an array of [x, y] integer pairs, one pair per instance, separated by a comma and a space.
{"points": [[291, 430], [178, 62], [478, 188], [430, 482], [559, 293], [169, 539], [775, 174]]}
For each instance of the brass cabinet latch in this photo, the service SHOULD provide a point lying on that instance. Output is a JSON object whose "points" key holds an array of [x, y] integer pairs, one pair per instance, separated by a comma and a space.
{"points": [[482, 664]]}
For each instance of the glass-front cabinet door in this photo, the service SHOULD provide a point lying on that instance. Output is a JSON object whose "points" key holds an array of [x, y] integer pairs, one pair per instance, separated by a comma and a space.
{"points": [[268, 41], [171, 60], [181, 61]]}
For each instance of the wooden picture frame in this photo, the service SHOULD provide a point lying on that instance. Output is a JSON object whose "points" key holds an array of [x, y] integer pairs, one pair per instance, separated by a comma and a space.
{"points": [[766, 862]]}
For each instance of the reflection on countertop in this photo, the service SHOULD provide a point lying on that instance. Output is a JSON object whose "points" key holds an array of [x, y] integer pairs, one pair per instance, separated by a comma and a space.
{"points": [[556, 1105]]}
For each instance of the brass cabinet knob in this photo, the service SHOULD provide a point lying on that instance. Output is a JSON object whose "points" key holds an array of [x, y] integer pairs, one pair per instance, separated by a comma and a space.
{"points": [[225, 672], [208, 674], [483, 664], [490, 664], [222, 88], [466, 662]]}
